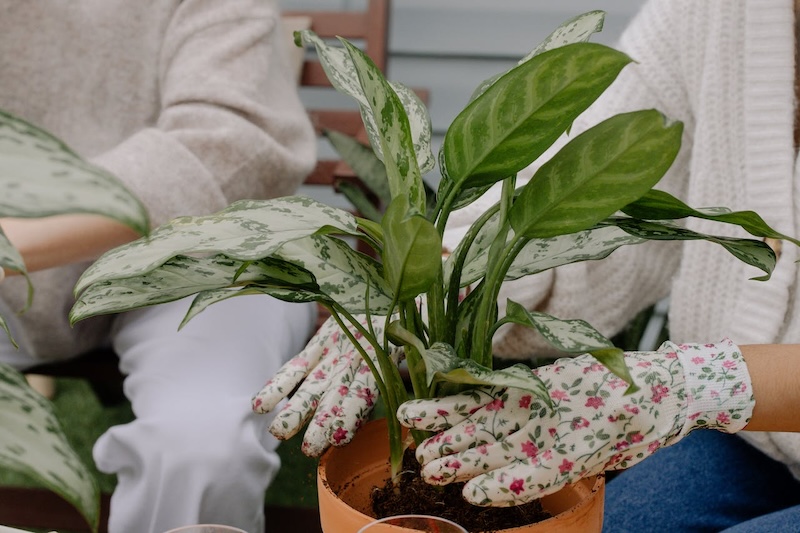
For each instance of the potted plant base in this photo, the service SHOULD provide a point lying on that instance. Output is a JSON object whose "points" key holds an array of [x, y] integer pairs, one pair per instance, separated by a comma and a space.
{"points": [[347, 476]]}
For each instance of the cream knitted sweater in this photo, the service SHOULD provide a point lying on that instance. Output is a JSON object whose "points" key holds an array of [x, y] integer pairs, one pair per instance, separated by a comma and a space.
{"points": [[191, 103], [726, 69]]}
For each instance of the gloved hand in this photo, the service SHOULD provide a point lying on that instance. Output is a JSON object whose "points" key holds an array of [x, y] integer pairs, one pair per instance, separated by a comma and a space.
{"points": [[513, 448], [337, 385]]}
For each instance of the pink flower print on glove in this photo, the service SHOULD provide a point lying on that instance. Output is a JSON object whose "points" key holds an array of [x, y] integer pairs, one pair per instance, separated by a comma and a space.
{"points": [[511, 447], [336, 388]]}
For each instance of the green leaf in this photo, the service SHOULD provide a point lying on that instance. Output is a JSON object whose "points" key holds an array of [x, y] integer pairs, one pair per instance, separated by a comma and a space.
{"points": [[420, 124], [573, 336], [393, 131], [614, 360], [751, 251], [412, 250], [364, 162], [659, 205], [11, 259], [246, 230], [182, 276], [342, 274], [539, 255], [212, 296], [361, 202], [516, 119], [9, 256], [575, 30], [596, 174], [41, 176], [33, 444], [443, 365], [341, 71]]}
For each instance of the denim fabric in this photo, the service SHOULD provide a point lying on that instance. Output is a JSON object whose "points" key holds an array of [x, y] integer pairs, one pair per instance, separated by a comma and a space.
{"points": [[708, 482]]}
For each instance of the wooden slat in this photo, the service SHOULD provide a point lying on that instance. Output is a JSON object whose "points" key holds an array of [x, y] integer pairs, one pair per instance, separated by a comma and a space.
{"points": [[345, 121], [348, 24]]}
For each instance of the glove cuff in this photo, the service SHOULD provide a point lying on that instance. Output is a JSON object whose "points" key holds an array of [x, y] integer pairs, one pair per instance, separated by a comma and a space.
{"points": [[719, 394]]}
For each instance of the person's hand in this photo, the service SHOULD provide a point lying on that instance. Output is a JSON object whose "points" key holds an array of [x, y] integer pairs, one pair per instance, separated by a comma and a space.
{"points": [[337, 388], [512, 447]]}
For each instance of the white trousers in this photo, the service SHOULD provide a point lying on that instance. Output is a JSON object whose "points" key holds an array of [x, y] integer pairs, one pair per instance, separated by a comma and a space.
{"points": [[195, 452]]}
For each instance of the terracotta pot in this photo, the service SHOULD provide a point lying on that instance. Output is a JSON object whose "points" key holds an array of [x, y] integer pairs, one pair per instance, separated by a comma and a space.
{"points": [[346, 476]]}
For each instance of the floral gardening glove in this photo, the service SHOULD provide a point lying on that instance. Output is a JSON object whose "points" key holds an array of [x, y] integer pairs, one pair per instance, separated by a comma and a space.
{"points": [[513, 448], [337, 385]]}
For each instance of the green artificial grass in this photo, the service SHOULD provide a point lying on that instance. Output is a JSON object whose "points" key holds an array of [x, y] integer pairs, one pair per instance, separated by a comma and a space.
{"points": [[84, 419]]}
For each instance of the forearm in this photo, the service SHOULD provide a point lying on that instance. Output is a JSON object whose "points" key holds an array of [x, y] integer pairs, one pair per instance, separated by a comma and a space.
{"points": [[774, 371], [64, 239]]}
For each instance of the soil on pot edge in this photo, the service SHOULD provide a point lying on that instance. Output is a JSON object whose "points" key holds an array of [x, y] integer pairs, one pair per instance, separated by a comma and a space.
{"points": [[417, 497]]}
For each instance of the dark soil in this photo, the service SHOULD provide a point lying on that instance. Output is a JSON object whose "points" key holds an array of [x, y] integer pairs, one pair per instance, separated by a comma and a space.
{"points": [[417, 497]]}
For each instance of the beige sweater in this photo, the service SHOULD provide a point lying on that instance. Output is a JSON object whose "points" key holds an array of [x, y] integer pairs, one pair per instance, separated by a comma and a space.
{"points": [[725, 68], [191, 103]]}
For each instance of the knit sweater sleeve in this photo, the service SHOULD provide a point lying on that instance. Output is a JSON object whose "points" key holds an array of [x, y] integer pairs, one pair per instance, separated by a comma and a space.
{"points": [[608, 293], [230, 124]]}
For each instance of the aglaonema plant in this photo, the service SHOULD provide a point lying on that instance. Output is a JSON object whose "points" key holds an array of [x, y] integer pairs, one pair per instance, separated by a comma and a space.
{"points": [[40, 176], [593, 196]]}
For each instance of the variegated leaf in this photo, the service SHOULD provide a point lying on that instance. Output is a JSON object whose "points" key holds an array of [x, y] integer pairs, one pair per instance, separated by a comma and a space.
{"points": [[542, 254], [9, 256], [524, 111], [539, 255], [180, 277], [393, 130], [209, 297], [660, 205], [443, 365], [596, 174], [419, 121], [342, 274], [341, 72], [246, 230], [576, 30], [571, 336], [366, 165], [33, 444], [754, 252], [574, 337], [41, 176], [11, 259]]}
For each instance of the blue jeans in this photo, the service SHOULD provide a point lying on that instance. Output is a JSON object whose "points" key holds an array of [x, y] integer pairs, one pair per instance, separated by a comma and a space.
{"points": [[708, 482]]}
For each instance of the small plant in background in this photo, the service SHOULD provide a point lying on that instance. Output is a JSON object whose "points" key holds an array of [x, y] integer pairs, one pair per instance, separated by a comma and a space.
{"points": [[40, 176], [592, 196]]}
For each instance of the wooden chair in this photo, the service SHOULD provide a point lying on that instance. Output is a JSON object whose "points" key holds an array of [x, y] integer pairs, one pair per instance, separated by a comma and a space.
{"points": [[39, 508]]}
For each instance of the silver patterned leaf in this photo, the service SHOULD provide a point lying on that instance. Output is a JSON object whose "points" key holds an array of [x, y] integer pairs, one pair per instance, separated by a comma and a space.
{"points": [[180, 277], [571, 336], [393, 130], [343, 275], [341, 72], [443, 365], [246, 230], [574, 337], [41, 176], [209, 297], [543, 254], [11, 259], [576, 30], [420, 122], [9, 256], [33, 444]]}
